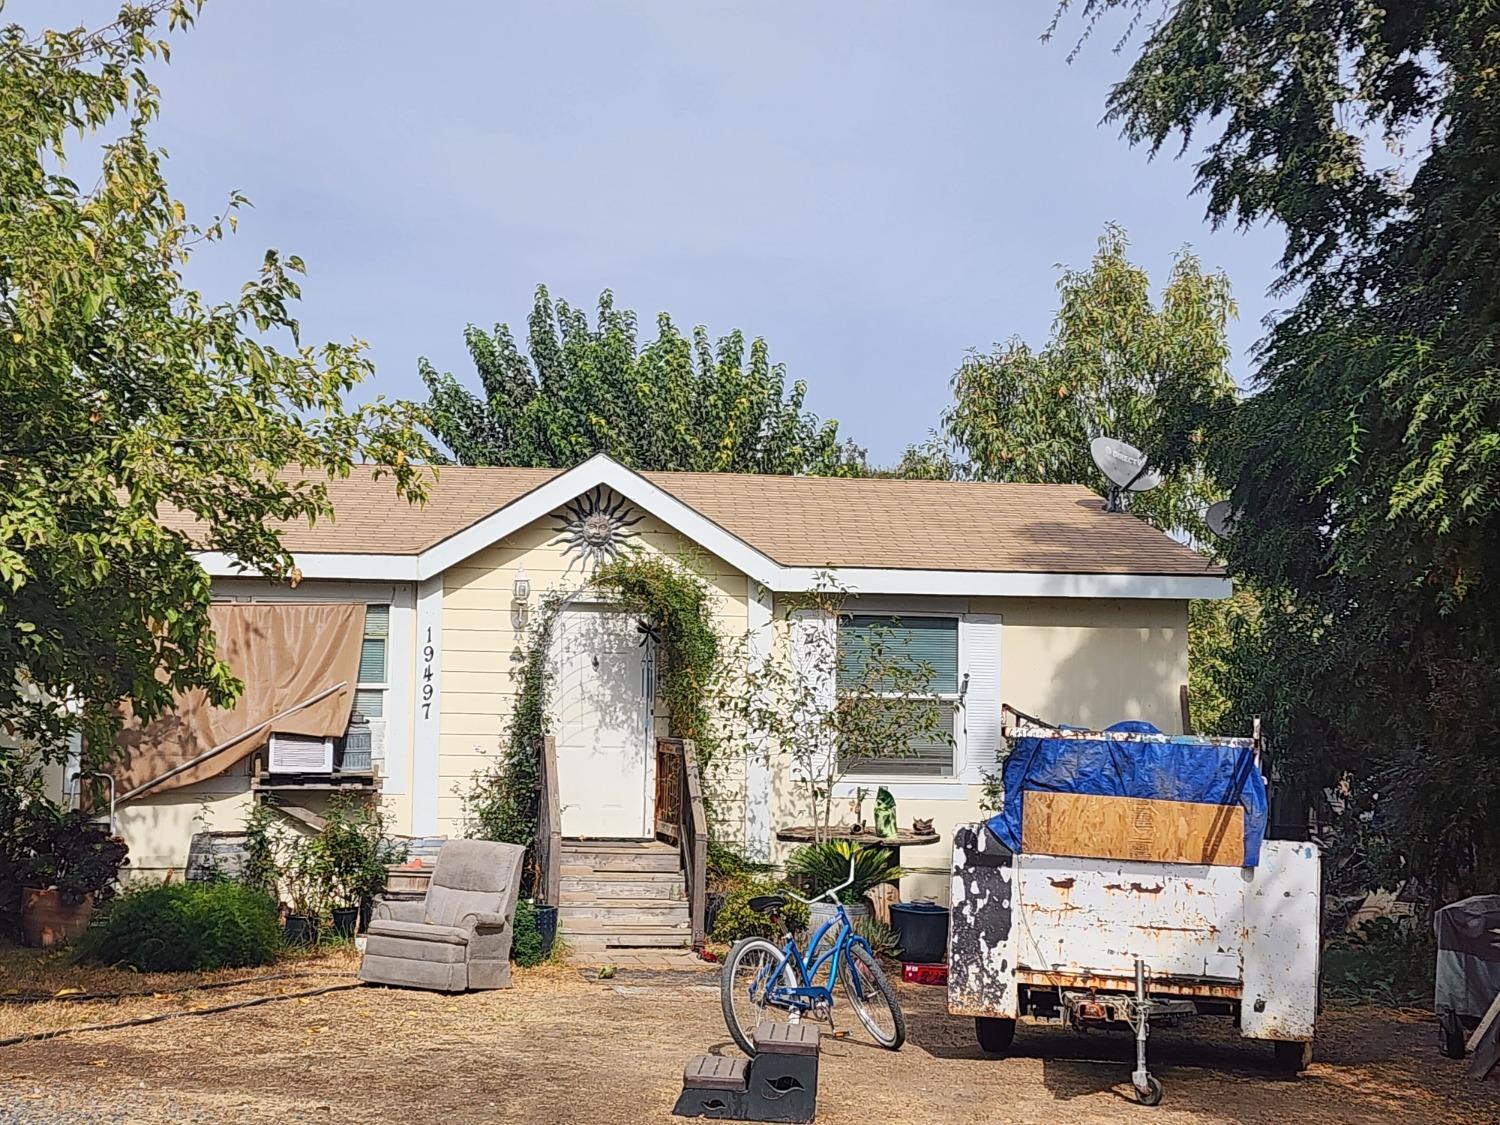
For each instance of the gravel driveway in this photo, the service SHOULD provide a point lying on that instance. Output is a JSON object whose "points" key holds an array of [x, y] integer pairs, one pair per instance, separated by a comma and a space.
{"points": [[563, 1048]]}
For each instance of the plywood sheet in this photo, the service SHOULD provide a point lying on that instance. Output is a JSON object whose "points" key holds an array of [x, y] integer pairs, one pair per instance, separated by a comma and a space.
{"points": [[1081, 824]]}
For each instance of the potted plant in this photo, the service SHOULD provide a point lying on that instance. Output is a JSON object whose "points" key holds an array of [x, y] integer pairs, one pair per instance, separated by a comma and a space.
{"points": [[68, 864], [815, 868], [357, 852], [306, 880]]}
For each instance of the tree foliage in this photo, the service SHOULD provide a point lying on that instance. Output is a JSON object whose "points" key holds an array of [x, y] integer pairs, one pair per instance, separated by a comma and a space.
{"points": [[675, 404], [124, 393], [1366, 471], [1028, 414]]}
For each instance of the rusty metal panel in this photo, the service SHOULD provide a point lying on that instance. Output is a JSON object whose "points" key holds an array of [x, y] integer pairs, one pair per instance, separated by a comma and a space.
{"points": [[1160, 986], [1282, 906], [981, 932], [1098, 915]]}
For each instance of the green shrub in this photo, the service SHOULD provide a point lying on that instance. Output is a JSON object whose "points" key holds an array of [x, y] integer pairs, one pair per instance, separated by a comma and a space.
{"points": [[736, 920], [816, 868], [177, 927], [883, 940], [728, 867], [526, 944], [1387, 962]]}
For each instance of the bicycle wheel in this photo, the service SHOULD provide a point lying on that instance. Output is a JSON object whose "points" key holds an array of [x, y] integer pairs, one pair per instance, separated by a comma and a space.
{"points": [[743, 984], [872, 997]]}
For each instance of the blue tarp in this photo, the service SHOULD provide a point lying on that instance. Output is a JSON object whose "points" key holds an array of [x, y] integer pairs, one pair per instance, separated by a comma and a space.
{"points": [[1175, 768]]}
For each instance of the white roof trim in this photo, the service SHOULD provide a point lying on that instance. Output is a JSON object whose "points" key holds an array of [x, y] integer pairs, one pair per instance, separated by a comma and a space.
{"points": [[599, 469], [1013, 584], [350, 567], [547, 498]]}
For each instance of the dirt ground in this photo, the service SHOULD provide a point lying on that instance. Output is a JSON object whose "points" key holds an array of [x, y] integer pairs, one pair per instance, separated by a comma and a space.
{"points": [[562, 1047]]}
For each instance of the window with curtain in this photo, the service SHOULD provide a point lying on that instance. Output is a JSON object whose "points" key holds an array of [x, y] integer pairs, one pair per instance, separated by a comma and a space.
{"points": [[932, 641]]}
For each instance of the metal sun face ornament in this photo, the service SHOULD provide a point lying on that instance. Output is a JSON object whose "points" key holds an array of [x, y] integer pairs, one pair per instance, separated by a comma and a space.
{"points": [[595, 528]]}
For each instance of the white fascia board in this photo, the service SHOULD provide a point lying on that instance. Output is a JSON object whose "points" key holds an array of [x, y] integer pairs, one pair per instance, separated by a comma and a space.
{"points": [[547, 498], [350, 567], [1010, 584]]}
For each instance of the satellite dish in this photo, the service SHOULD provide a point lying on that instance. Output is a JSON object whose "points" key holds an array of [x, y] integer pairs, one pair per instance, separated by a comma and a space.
{"points": [[1220, 519], [1125, 467]]}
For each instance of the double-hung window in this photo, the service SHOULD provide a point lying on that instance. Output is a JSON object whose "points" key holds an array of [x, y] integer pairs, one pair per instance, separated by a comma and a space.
{"points": [[928, 642], [374, 659]]}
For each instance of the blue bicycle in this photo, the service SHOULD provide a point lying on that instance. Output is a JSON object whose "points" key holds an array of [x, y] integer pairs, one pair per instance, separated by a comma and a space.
{"points": [[760, 981]]}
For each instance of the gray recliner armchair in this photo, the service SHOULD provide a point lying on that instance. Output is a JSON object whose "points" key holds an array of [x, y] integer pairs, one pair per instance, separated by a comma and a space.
{"points": [[459, 936]]}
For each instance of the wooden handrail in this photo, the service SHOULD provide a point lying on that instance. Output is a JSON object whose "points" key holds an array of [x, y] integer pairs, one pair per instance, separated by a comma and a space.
{"points": [[694, 842], [549, 825], [682, 820]]}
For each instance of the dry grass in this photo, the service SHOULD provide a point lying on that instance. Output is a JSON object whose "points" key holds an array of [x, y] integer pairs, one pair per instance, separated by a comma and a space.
{"points": [[54, 973], [564, 1047]]}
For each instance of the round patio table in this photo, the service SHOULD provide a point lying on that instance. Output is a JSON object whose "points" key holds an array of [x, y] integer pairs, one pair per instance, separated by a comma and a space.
{"points": [[904, 838]]}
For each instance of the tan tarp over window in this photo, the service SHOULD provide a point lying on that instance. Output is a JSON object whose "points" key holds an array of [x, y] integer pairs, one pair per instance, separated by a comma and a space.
{"points": [[283, 654]]}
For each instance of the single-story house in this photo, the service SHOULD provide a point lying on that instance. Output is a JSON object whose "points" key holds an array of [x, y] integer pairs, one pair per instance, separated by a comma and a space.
{"points": [[1032, 595]]}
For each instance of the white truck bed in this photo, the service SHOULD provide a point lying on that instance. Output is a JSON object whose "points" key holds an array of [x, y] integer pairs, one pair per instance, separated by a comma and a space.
{"points": [[1245, 937]]}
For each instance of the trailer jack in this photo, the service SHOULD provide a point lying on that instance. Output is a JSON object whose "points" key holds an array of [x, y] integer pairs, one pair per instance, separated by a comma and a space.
{"points": [[1082, 1009]]}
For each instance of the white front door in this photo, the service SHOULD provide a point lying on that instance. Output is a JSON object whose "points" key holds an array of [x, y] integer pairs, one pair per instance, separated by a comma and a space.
{"points": [[603, 724]]}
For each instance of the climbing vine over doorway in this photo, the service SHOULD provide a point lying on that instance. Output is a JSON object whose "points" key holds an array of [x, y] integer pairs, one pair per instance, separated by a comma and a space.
{"points": [[676, 613], [675, 607]]}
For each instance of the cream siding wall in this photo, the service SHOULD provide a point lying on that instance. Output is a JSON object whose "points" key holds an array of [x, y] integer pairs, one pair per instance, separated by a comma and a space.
{"points": [[482, 649]]}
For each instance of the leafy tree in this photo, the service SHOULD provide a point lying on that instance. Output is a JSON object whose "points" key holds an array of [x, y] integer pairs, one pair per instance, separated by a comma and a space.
{"points": [[822, 711], [1366, 471], [931, 459], [676, 403], [1025, 414], [124, 393]]}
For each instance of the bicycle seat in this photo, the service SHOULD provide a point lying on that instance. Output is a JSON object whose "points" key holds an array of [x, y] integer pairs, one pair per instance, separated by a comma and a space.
{"points": [[766, 904]]}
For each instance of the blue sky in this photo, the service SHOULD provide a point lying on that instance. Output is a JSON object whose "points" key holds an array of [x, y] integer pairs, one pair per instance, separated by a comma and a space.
{"points": [[873, 187]]}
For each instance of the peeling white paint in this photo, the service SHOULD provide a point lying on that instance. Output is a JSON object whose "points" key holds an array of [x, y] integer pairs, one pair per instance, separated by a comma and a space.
{"points": [[1208, 927]]}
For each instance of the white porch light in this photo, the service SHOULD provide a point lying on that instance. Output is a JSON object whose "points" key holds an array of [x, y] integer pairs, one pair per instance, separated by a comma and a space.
{"points": [[521, 587]]}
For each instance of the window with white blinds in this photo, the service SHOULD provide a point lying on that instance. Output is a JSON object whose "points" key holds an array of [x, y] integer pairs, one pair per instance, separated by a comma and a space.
{"points": [[369, 694], [925, 641]]}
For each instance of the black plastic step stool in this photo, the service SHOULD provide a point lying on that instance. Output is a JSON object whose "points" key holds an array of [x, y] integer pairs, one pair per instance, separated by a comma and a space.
{"points": [[779, 1084]]}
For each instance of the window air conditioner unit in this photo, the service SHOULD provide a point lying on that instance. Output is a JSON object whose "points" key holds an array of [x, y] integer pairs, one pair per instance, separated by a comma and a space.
{"points": [[301, 753]]}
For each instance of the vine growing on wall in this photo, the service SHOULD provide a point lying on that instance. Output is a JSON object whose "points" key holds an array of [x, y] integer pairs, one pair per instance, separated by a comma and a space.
{"points": [[502, 802]]}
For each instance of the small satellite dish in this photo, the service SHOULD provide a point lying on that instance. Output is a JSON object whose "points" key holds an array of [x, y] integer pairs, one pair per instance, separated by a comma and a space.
{"points": [[1125, 467], [1220, 519]]}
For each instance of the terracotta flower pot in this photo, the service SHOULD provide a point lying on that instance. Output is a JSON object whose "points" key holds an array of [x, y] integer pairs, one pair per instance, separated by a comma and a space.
{"points": [[47, 920]]}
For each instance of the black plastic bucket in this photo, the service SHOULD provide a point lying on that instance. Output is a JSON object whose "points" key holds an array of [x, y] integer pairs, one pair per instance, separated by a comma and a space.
{"points": [[921, 931], [345, 919], [546, 926]]}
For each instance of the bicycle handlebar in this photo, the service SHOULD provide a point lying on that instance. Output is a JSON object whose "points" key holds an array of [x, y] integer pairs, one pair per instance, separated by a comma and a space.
{"points": [[829, 893]]}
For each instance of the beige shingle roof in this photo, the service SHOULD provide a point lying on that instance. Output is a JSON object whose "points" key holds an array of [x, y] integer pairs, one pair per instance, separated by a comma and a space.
{"points": [[798, 521]]}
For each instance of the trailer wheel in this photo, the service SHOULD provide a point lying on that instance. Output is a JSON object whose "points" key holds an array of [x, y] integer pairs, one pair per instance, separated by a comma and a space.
{"points": [[1291, 1056], [1151, 1095], [995, 1035]]}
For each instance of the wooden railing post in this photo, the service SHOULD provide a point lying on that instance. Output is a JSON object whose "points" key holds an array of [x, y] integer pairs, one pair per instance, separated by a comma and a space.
{"points": [[694, 841], [549, 826]]}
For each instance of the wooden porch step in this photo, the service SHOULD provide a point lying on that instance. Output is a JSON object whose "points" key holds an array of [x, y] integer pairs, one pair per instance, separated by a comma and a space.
{"points": [[596, 886], [603, 843], [579, 862], [625, 911], [640, 937]]}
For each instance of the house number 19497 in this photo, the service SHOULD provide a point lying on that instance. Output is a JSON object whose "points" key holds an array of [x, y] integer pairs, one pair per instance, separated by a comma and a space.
{"points": [[429, 654]]}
